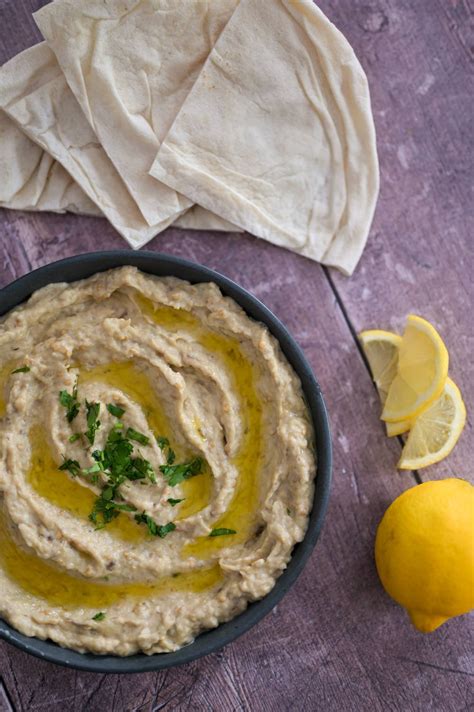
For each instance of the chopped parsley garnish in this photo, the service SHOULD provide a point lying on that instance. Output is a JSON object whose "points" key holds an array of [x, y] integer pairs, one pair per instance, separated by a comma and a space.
{"points": [[154, 528], [163, 444], [222, 532], [22, 369], [139, 437], [93, 423], [93, 468], [105, 509], [70, 402], [175, 474], [71, 466], [116, 463], [99, 616], [115, 410]]}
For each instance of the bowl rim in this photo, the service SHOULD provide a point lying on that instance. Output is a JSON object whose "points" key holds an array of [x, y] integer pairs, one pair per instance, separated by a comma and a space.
{"points": [[160, 264]]}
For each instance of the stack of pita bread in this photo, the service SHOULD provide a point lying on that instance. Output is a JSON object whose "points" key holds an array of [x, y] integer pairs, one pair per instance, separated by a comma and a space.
{"points": [[208, 114]]}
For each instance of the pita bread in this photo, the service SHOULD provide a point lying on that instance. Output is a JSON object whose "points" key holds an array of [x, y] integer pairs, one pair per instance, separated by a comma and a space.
{"points": [[130, 64], [197, 218], [34, 93], [33, 180], [285, 141]]}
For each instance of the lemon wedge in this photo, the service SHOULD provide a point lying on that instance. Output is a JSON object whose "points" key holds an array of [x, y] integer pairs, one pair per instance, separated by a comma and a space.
{"points": [[398, 427], [436, 431], [421, 372], [381, 350]]}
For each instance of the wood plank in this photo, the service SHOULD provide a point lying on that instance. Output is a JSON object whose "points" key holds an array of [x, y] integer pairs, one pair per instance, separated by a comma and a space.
{"points": [[419, 257], [336, 641]]}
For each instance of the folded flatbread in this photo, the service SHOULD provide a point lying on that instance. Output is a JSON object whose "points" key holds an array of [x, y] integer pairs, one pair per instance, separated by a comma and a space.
{"points": [[30, 179], [197, 218], [131, 64], [277, 134], [34, 93]]}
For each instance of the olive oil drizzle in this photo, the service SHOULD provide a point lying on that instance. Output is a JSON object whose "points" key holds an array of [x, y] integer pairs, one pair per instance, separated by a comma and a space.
{"points": [[68, 494], [59, 588], [136, 384], [5, 373], [241, 514]]}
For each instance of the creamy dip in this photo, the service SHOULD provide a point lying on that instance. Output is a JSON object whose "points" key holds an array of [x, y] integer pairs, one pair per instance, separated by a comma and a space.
{"points": [[156, 462]]}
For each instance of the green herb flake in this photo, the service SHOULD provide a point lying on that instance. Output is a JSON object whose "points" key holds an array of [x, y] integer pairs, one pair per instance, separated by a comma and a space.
{"points": [[175, 474], [154, 528], [74, 437], [93, 468], [99, 616], [222, 532], [174, 502], [171, 457], [115, 410], [70, 402], [71, 466], [162, 442], [22, 369], [93, 423], [165, 529], [132, 434]]}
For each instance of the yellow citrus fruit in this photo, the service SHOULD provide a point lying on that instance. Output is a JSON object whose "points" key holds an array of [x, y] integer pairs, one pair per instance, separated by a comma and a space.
{"points": [[381, 350], [436, 431], [398, 427], [421, 371], [424, 551]]}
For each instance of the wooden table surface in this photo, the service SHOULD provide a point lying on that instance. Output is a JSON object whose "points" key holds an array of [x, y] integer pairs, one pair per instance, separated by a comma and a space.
{"points": [[336, 642]]}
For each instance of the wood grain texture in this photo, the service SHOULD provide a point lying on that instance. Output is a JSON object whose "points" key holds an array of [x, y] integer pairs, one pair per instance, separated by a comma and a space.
{"points": [[420, 256], [336, 642]]}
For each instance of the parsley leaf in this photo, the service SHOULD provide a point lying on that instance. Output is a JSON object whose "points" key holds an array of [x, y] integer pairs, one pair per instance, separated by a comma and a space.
{"points": [[93, 424], [166, 529], [71, 466], [139, 437], [74, 437], [154, 528], [171, 457], [117, 463], [162, 442], [94, 468], [69, 401], [115, 410], [175, 474], [222, 532], [99, 616], [22, 369], [174, 502]]}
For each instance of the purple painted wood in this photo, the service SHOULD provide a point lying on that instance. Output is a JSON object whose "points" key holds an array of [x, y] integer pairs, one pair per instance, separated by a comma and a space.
{"points": [[336, 642], [420, 256]]}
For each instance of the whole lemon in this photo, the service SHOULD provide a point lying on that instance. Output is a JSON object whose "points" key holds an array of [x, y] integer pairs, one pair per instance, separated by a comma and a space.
{"points": [[424, 551]]}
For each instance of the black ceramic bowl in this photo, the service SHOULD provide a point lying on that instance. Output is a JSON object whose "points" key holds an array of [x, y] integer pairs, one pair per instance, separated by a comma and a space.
{"points": [[83, 266]]}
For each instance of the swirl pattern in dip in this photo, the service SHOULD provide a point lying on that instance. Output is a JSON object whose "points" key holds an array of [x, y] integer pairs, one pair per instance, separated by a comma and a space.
{"points": [[197, 391]]}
